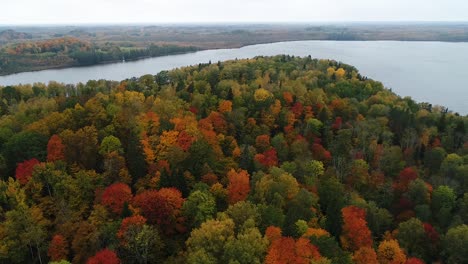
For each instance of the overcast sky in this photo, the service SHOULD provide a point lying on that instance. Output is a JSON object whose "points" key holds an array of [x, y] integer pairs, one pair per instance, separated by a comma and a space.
{"points": [[180, 11]]}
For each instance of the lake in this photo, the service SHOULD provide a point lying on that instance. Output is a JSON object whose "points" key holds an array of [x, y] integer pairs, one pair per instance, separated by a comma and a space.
{"points": [[434, 72]]}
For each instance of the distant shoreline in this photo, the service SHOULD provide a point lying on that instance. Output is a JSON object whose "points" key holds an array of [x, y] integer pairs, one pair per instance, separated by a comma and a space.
{"points": [[202, 49], [118, 39], [81, 66]]}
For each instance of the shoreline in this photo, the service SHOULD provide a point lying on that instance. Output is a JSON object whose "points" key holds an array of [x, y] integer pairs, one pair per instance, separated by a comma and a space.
{"points": [[59, 67], [234, 46]]}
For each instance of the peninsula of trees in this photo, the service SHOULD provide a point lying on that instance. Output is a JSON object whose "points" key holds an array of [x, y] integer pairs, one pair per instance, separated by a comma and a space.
{"points": [[70, 51], [267, 160]]}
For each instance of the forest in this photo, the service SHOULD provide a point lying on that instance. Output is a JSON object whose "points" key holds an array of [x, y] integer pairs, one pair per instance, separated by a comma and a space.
{"points": [[266, 160], [71, 51]]}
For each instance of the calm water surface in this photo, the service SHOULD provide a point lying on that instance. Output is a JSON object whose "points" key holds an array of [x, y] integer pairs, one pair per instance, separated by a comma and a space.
{"points": [[435, 72]]}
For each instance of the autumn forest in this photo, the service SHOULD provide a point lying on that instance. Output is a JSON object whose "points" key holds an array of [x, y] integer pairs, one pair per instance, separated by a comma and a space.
{"points": [[267, 160]]}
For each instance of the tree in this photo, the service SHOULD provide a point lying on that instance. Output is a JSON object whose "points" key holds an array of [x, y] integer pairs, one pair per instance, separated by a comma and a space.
{"points": [[262, 95], [329, 248], [248, 247], [455, 243], [419, 192], [85, 242], [110, 144], [379, 219], [81, 147], [160, 207], [276, 188], [55, 149], [241, 212], [140, 242], [359, 174], [268, 158], [285, 250], [185, 140], [128, 222], [225, 106], [23, 146], [299, 208], [389, 252], [313, 170], [365, 255], [24, 170], [104, 256], [450, 164], [392, 161], [199, 207], [115, 196], [355, 233], [405, 178], [210, 239], [433, 158], [414, 261], [262, 142], [331, 204], [23, 231], [412, 237], [443, 202], [58, 248], [239, 185]]}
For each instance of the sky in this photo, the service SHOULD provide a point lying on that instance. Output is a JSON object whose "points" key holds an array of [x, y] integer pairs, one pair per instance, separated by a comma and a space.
{"points": [[212, 11]]}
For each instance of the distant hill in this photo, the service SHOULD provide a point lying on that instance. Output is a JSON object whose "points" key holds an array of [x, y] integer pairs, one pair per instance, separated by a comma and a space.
{"points": [[80, 33], [11, 35]]}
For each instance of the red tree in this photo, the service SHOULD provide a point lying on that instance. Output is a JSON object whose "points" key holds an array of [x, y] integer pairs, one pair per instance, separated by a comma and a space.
{"points": [[239, 185], [58, 248], [160, 207], [55, 149], [320, 153], [407, 175], [338, 123], [285, 250], [273, 233], [115, 196], [25, 169], [431, 233], [104, 256], [218, 122], [414, 261], [297, 109], [184, 140], [269, 158], [356, 234]]}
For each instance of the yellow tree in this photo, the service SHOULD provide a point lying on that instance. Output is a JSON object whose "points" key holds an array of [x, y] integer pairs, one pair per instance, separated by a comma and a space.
{"points": [[389, 252]]}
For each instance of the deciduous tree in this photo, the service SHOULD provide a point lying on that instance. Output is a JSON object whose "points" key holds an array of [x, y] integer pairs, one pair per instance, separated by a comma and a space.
{"points": [[104, 256], [25, 169], [239, 185], [115, 196], [55, 149], [355, 234], [58, 248]]}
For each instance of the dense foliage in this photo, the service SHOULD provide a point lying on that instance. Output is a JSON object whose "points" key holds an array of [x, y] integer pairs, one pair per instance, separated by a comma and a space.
{"points": [[267, 160]]}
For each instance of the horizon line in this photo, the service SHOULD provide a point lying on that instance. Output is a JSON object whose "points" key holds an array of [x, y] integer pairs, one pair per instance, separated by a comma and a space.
{"points": [[237, 23]]}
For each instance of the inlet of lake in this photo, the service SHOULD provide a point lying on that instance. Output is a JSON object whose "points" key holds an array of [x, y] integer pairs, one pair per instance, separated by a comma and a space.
{"points": [[434, 72]]}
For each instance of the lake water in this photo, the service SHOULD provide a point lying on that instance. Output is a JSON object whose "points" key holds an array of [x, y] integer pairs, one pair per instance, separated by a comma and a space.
{"points": [[435, 72]]}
